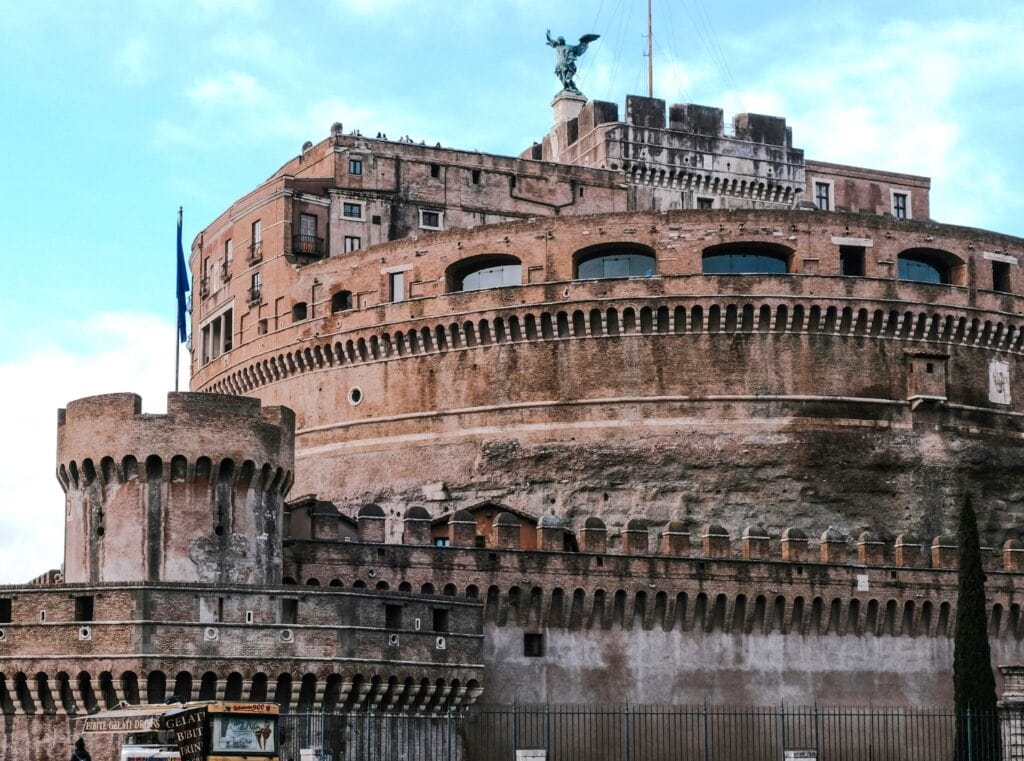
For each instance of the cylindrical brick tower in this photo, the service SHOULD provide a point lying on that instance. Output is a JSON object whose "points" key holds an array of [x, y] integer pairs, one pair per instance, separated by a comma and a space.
{"points": [[195, 495]]}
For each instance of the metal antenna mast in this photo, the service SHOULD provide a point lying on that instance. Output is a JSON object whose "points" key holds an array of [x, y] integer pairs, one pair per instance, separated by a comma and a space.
{"points": [[650, 52]]}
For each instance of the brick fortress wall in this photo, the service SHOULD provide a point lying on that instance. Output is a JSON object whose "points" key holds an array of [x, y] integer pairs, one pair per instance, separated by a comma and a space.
{"points": [[693, 614], [797, 399]]}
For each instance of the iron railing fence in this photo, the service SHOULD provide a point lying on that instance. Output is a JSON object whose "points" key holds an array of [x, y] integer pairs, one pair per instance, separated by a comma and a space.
{"points": [[654, 733]]}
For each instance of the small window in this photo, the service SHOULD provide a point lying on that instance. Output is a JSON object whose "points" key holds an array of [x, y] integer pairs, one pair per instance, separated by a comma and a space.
{"points": [[228, 252], [375, 219], [899, 205], [435, 171], [352, 210], [299, 312], [533, 645], [289, 611], [851, 260], [353, 243], [396, 286], [257, 232], [5, 610], [440, 619], [255, 287], [512, 182], [430, 220], [705, 203], [476, 176], [355, 166], [441, 541], [393, 616], [341, 301], [480, 541], [307, 225], [823, 195], [261, 327], [1001, 276]]}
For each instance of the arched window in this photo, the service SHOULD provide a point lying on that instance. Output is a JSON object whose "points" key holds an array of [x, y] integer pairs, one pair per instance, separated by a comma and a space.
{"points": [[607, 260], [746, 258], [485, 271], [930, 265], [341, 301], [299, 311]]}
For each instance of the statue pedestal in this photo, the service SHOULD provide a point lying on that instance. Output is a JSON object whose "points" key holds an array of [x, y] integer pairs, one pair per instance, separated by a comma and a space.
{"points": [[567, 105]]}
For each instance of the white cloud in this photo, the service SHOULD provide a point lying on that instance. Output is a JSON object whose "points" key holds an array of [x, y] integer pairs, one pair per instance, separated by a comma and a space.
{"points": [[133, 62], [107, 353], [231, 90], [249, 45], [168, 135]]}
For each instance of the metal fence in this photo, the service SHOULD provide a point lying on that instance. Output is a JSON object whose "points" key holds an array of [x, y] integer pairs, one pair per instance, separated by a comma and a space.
{"points": [[653, 733]]}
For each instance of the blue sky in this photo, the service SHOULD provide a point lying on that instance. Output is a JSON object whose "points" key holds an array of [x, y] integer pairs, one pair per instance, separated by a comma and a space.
{"points": [[116, 113]]}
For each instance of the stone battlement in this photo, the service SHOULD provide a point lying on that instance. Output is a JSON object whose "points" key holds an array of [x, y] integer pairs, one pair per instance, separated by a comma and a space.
{"points": [[192, 495]]}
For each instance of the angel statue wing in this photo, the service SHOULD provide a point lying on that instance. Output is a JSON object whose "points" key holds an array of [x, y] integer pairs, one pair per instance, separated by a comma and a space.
{"points": [[585, 40]]}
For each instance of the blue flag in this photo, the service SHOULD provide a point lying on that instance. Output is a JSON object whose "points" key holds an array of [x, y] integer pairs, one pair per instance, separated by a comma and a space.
{"points": [[182, 287]]}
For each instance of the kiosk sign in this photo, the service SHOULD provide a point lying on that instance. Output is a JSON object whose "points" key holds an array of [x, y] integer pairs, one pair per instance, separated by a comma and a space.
{"points": [[189, 733], [800, 754]]}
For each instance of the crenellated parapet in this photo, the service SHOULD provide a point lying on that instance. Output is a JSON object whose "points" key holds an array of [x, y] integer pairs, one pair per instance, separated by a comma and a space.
{"points": [[656, 578], [195, 494]]}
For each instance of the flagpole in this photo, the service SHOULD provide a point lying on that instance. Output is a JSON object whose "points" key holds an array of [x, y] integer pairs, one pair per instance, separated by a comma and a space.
{"points": [[177, 312]]}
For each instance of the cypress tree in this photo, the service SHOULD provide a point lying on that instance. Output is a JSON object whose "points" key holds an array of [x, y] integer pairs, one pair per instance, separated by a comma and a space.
{"points": [[974, 685]]}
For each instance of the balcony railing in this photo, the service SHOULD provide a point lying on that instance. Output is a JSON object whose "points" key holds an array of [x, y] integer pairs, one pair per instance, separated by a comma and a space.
{"points": [[308, 245], [225, 271], [255, 252], [204, 287], [254, 294]]}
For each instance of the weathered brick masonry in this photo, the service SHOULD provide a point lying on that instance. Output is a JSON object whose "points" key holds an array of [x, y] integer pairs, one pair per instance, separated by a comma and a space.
{"points": [[554, 428]]}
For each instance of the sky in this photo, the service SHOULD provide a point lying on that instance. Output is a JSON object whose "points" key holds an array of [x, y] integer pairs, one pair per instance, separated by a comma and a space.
{"points": [[117, 113]]}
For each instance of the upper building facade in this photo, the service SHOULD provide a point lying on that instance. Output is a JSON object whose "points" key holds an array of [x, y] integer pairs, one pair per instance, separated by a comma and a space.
{"points": [[616, 304]]}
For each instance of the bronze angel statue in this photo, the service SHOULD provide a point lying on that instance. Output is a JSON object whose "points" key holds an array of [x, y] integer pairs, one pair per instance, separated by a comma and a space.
{"points": [[565, 69]]}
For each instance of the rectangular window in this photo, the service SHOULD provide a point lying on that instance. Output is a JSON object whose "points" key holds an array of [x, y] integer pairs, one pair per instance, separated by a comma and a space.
{"points": [[228, 252], [307, 225], [851, 260], [476, 176], [435, 171], [396, 283], [352, 210], [257, 232], [376, 219], [479, 540], [899, 205], [440, 619], [705, 203], [430, 220], [216, 336], [393, 616], [289, 612], [254, 288], [353, 243], [441, 541], [83, 608], [355, 166], [533, 645], [227, 328], [1001, 276], [823, 196], [5, 610]]}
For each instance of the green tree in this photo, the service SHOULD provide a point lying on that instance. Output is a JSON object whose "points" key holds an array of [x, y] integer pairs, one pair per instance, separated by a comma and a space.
{"points": [[974, 685]]}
